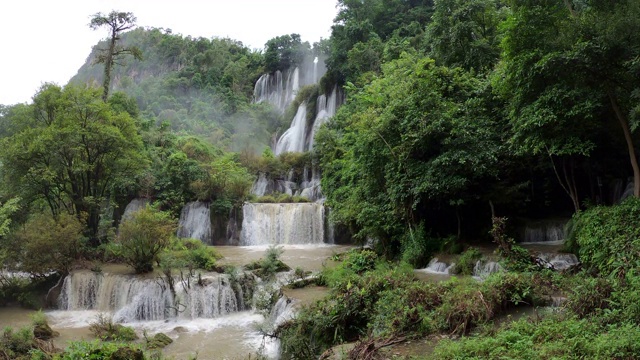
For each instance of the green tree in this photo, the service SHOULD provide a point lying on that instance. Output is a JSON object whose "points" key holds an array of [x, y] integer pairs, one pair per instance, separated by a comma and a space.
{"points": [[75, 154], [568, 70], [6, 210], [117, 23], [284, 52], [465, 33], [418, 137], [49, 244], [142, 237]]}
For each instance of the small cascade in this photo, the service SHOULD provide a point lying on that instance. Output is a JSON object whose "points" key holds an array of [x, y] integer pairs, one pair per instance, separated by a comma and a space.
{"points": [[282, 311], [284, 223], [326, 108], [437, 267], [293, 140], [134, 298], [559, 262], [195, 222], [277, 89], [262, 186], [133, 206], [483, 269], [544, 232]]}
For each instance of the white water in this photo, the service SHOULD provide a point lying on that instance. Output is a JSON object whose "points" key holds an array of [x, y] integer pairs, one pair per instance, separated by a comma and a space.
{"points": [[278, 89], [133, 206], [290, 223], [134, 298], [326, 108], [559, 261], [195, 222], [293, 140], [545, 232], [483, 269], [438, 267]]}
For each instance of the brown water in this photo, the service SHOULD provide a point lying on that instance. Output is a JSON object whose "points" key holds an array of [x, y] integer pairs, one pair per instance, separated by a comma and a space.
{"points": [[233, 336]]}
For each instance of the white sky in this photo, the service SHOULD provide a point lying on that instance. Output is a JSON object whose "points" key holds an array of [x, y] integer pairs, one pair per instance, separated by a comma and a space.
{"points": [[48, 40]]}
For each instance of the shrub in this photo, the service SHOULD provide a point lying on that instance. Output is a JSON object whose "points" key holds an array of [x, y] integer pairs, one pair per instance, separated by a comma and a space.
{"points": [[554, 337], [270, 264], [589, 295], [190, 254], [101, 350], [609, 238], [467, 261], [105, 329], [418, 247], [406, 309], [142, 237], [50, 244]]}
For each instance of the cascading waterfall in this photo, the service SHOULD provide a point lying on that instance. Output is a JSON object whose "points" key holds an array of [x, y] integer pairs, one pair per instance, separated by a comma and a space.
{"points": [[299, 223], [134, 298], [293, 140], [286, 223], [277, 89], [326, 108], [195, 222]]}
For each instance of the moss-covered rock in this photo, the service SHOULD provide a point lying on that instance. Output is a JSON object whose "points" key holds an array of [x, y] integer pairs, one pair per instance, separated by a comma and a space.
{"points": [[44, 332], [127, 353], [159, 341]]}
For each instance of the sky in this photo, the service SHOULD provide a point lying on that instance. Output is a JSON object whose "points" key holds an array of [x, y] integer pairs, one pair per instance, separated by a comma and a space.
{"points": [[48, 41]]}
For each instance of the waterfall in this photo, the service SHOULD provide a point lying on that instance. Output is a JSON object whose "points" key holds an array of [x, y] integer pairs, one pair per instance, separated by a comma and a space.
{"points": [[195, 222], [483, 269], [293, 140], [130, 297], [133, 206], [290, 223], [326, 108], [547, 232], [438, 267]]}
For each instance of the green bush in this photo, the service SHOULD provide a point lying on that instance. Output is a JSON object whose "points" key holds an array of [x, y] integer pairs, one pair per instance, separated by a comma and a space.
{"points": [[50, 244], [90, 350], [189, 254], [17, 343], [554, 337], [105, 329], [466, 262], [270, 264], [418, 247], [142, 237], [407, 310], [589, 296], [609, 238]]}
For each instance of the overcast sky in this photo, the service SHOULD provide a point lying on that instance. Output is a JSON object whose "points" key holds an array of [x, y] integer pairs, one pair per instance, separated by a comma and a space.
{"points": [[48, 41]]}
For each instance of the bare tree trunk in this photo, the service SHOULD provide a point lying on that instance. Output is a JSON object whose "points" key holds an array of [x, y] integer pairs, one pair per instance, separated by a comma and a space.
{"points": [[624, 124], [569, 184], [108, 64]]}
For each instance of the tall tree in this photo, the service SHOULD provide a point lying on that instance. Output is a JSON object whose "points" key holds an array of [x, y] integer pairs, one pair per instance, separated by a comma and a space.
{"points": [[417, 138], [568, 70], [465, 33], [76, 153], [116, 22]]}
